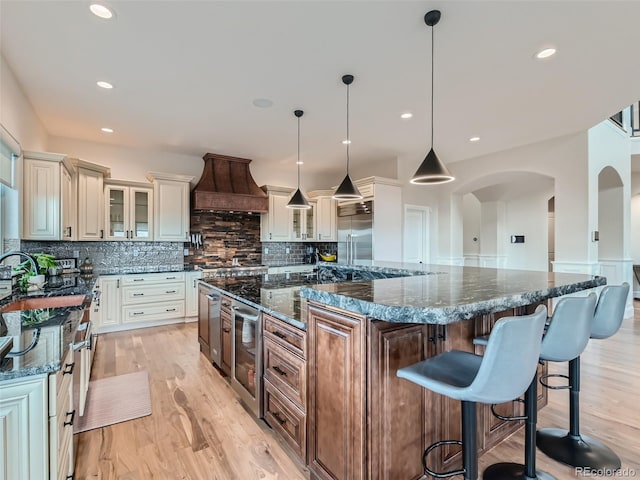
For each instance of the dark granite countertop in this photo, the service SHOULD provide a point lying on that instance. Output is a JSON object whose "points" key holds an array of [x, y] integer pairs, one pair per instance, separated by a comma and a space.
{"points": [[403, 293], [57, 330], [444, 294], [57, 326]]}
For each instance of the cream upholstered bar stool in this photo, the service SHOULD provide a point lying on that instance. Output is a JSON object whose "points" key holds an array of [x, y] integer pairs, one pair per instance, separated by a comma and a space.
{"points": [[502, 374], [572, 448], [565, 338]]}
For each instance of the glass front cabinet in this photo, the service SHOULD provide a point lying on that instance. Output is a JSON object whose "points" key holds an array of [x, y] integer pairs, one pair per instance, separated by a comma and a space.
{"points": [[303, 223], [129, 211]]}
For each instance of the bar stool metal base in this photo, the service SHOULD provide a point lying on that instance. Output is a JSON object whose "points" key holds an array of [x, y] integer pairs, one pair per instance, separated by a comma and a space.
{"points": [[576, 451], [515, 471]]}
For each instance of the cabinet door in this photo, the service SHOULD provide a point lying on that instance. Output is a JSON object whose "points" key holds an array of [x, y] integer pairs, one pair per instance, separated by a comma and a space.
{"points": [[110, 301], [90, 205], [171, 211], [24, 430], [303, 224], [117, 212], [41, 199], [140, 214], [280, 218], [68, 207], [337, 406], [326, 220], [191, 294]]}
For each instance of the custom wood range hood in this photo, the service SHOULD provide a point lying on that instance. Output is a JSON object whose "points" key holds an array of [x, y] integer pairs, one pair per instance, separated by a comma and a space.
{"points": [[226, 185]]}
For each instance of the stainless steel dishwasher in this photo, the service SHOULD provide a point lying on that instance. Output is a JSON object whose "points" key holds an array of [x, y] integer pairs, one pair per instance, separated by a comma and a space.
{"points": [[246, 362]]}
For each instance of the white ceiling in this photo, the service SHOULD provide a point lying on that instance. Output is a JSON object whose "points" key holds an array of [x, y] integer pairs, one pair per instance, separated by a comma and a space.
{"points": [[186, 73]]}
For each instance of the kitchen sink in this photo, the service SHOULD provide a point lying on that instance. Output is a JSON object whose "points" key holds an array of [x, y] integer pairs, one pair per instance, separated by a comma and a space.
{"points": [[43, 302]]}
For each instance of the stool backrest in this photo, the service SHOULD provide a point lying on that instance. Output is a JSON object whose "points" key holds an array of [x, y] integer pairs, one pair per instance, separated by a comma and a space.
{"points": [[609, 310], [569, 330], [510, 359]]}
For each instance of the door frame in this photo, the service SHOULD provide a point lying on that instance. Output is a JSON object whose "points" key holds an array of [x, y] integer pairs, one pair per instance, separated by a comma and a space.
{"points": [[426, 246]]}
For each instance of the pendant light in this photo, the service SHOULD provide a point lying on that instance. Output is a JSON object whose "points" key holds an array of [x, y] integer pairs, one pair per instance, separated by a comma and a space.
{"points": [[298, 201], [432, 170], [347, 190]]}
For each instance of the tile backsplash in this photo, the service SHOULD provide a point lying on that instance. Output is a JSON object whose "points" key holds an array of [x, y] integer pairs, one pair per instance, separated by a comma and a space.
{"points": [[115, 257], [292, 253]]}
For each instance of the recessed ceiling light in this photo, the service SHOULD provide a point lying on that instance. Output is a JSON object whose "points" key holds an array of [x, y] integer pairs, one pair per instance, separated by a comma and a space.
{"points": [[474, 139], [103, 84], [546, 53], [262, 102], [299, 162], [406, 115], [346, 142], [101, 11], [107, 130]]}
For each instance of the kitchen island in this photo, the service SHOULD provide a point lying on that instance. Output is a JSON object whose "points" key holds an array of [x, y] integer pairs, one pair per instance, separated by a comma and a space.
{"points": [[358, 420]]}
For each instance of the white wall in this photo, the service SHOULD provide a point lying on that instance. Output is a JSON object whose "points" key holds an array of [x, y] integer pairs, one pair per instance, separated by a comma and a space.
{"points": [[17, 114], [471, 225], [527, 216], [635, 229]]}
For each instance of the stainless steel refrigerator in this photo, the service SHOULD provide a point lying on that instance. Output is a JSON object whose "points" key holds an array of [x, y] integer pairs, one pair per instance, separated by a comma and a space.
{"points": [[355, 223]]}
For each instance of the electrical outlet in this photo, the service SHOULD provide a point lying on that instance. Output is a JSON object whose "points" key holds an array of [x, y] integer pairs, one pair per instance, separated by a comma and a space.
{"points": [[136, 252], [76, 254], [287, 250], [266, 250], [185, 252]]}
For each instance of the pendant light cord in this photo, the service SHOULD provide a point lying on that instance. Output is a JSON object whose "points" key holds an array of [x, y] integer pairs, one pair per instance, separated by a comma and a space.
{"points": [[348, 137], [298, 162], [432, 53]]}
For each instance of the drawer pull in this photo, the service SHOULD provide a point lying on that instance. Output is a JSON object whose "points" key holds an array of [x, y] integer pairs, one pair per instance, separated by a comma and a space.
{"points": [[278, 418], [69, 368], [138, 313], [279, 370], [71, 477], [226, 330], [170, 310], [73, 415], [169, 278], [171, 291], [279, 334], [138, 279], [138, 294]]}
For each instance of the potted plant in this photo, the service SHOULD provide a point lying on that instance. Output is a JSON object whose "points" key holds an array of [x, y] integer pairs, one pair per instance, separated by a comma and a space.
{"points": [[29, 277]]}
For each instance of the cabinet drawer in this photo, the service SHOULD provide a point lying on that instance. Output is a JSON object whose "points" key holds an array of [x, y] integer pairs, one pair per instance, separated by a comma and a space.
{"points": [[137, 294], [157, 311], [286, 371], [146, 278], [60, 383], [225, 304], [286, 419], [286, 335]]}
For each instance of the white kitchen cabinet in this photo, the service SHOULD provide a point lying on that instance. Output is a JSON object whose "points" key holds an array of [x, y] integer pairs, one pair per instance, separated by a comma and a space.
{"points": [[90, 202], [303, 223], [276, 225], [48, 197], [128, 211], [24, 429], [170, 207], [325, 216], [36, 425], [143, 300], [110, 301], [191, 294]]}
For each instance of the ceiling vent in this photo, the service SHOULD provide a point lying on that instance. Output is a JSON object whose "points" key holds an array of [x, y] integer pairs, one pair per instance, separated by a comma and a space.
{"points": [[226, 185]]}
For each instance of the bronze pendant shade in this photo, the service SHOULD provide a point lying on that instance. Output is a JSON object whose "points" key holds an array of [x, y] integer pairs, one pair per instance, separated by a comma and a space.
{"points": [[347, 190], [432, 171], [298, 201]]}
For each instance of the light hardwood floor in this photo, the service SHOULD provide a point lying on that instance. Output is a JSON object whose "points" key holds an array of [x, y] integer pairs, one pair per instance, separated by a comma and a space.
{"points": [[199, 431]]}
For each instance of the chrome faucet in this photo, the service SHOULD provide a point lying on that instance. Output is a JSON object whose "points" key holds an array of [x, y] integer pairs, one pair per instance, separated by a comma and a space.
{"points": [[34, 264]]}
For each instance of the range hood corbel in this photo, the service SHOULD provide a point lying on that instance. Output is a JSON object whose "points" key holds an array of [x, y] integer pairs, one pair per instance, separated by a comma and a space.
{"points": [[226, 185]]}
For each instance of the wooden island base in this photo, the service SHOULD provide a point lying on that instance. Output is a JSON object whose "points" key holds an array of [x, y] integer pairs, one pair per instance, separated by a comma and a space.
{"points": [[363, 421]]}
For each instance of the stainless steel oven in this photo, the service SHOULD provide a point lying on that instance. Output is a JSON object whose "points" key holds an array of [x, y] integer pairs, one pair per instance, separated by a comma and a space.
{"points": [[246, 363]]}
